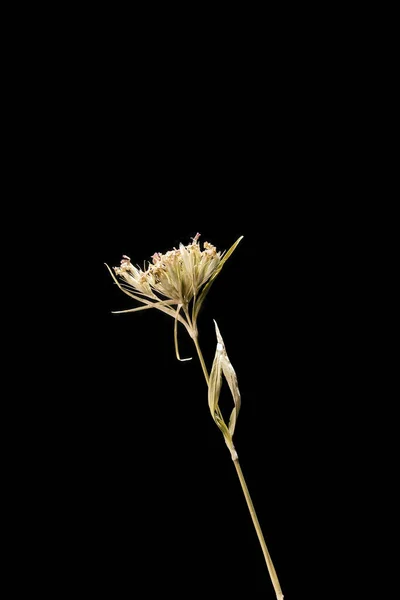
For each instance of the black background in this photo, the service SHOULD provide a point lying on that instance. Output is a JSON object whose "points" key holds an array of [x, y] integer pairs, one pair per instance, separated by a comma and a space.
{"points": [[160, 491], [144, 145]]}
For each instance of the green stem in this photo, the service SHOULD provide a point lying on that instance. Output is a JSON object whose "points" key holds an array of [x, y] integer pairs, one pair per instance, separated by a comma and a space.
{"points": [[250, 505], [200, 354], [257, 526]]}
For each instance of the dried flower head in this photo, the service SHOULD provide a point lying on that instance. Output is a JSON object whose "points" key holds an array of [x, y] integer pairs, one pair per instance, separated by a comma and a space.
{"points": [[175, 282]]}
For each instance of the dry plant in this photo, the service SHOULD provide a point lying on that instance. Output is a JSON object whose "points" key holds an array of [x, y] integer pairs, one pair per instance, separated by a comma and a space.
{"points": [[177, 283]]}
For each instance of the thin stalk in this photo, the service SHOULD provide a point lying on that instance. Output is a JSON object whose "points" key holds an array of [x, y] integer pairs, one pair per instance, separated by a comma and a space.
{"points": [[257, 526], [250, 505], [200, 354]]}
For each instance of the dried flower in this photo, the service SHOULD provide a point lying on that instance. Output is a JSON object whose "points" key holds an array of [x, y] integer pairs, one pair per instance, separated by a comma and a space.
{"points": [[175, 282]]}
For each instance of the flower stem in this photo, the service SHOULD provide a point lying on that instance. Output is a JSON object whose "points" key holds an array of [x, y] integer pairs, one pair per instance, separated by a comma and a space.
{"points": [[257, 526], [200, 354], [250, 505]]}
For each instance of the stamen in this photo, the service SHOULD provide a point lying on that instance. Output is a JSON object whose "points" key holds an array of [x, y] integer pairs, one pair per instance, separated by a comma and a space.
{"points": [[156, 257]]}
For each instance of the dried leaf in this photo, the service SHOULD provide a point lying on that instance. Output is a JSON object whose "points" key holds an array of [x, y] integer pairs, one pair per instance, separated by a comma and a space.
{"points": [[223, 367], [206, 288]]}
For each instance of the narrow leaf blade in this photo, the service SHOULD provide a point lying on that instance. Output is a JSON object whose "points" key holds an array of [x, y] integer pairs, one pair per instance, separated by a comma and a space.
{"points": [[206, 288]]}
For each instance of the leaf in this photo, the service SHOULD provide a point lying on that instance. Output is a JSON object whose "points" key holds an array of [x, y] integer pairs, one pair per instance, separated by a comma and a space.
{"points": [[222, 366], [206, 288], [150, 305], [231, 378], [215, 384]]}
